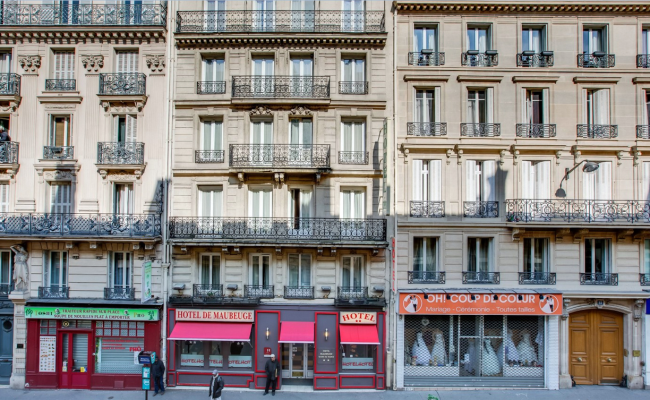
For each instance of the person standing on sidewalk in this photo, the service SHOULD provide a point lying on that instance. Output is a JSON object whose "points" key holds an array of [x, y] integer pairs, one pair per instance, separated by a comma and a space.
{"points": [[216, 385], [158, 371], [272, 369]]}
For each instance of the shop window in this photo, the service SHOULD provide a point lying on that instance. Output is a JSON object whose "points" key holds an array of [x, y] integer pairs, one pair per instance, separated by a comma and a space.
{"points": [[357, 356], [48, 327], [114, 355], [119, 328], [213, 354]]}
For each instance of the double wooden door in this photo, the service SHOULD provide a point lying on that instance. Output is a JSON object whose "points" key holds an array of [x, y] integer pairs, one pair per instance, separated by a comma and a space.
{"points": [[596, 347]]}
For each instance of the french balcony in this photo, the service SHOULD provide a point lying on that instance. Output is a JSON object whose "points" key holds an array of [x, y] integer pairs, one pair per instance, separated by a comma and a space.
{"points": [[587, 131], [537, 278], [73, 13], [211, 87], [259, 291], [299, 292], [643, 131], [356, 296], [209, 156], [281, 87], [481, 209], [123, 84], [472, 58], [484, 129], [120, 153], [354, 157], [280, 156], [119, 293], [60, 85], [426, 128], [429, 277], [532, 59], [536, 131], [353, 87], [598, 279], [58, 153], [427, 209], [426, 58], [10, 84], [481, 277], [578, 211], [644, 279], [9, 152], [53, 292], [207, 292], [280, 21], [597, 59], [5, 289], [643, 60]]}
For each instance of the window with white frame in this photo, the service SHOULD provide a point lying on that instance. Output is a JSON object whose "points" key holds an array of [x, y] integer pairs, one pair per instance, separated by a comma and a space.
{"points": [[353, 136], [479, 38], [210, 269], [4, 197], [302, 66], [260, 270], [263, 66], [5, 62], [55, 269], [299, 270], [533, 38], [536, 180], [481, 180], [217, 8], [536, 256], [260, 202], [353, 69], [262, 131], [427, 105], [425, 38], [301, 131], [353, 15], [211, 139], [126, 62], [60, 130], [645, 41], [594, 39], [210, 201], [6, 270], [126, 128], [596, 109], [597, 185], [303, 18], [352, 272], [480, 106], [212, 70], [263, 15], [646, 257], [60, 197], [425, 254], [123, 198], [427, 180], [120, 270], [352, 203], [300, 203], [645, 186], [480, 254], [598, 258], [646, 109], [535, 106], [63, 65]]}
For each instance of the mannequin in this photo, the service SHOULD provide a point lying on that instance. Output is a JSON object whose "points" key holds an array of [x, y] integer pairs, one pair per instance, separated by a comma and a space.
{"points": [[491, 365], [526, 350], [420, 351], [470, 357], [512, 355], [438, 353]]}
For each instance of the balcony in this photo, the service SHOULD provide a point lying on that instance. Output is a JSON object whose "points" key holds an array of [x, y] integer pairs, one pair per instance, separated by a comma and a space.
{"points": [[259, 291], [427, 209], [597, 59], [644, 279], [536, 131], [643, 131], [531, 59], [119, 293], [123, 84], [353, 87], [9, 152], [480, 129], [281, 87], [431, 277], [299, 292], [426, 128], [284, 21], [586, 131], [472, 58], [120, 153], [80, 225], [481, 277], [209, 156], [578, 211], [69, 13], [643, 60], [481, 209], [5, 289], [10, 84], [58, 153], [354, 157], [537, 278], [53, 292], [426, 58], [356, 296], [598, 279], [211, 87], [285, 156], [207, 292], [60, 85]]}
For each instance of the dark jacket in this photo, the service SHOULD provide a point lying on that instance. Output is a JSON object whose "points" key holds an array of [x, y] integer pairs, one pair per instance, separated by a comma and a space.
{"points": [[216, 387], [272, 369], [4, 137], [157, 368]]}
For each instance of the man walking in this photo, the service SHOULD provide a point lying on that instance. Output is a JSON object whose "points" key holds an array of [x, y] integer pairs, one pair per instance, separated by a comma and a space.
{"points": [[272, 369], [158, 371], [216, 385]]}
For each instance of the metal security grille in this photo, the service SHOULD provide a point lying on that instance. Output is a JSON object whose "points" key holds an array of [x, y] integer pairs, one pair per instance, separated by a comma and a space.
{"points": [[474, 351]]}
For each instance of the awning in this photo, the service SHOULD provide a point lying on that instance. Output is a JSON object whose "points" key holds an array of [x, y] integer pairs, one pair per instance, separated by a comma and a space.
{"points": [[359, 334], [217, 331], [296, 332]]}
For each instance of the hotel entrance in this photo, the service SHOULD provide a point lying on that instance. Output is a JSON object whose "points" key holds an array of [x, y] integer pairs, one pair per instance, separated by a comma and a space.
{"points": [[298, 361]]}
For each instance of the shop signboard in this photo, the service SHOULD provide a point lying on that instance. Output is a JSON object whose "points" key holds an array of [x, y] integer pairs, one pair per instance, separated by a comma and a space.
{"points": [[192, 360], [480, 304], [215, 315], [358, 363], [146, 281], [114, 314], [326, 357], [357, 317], [240, 362]]}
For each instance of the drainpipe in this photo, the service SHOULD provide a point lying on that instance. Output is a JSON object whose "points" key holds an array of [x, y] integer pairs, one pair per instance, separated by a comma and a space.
{"points": [[393, 268]]}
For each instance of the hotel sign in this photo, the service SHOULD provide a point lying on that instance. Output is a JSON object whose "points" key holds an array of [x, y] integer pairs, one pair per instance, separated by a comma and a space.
{"points": [[357, 317], [215, 315]]}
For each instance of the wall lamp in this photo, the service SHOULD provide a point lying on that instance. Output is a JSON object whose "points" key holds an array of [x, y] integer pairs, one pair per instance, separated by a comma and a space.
{"points": [[588, 167], [327, 334], [268, 333]]}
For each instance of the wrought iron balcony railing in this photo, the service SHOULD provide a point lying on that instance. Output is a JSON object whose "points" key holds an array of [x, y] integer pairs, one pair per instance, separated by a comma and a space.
{"points": [[586, 131], [644, 279], [354, 157], [537, 278], [352, 293], [71, 13], [58, 152], [283, 21], [9, 152], [45, 224], [120, 153], [209, 156], [10, 84], [119, 293], [279, 155], [286, 229], [578, 211], [537, 131], [426, 58], [259, 291], [298, 292], [481, 209], [207, 291], [480, 277], [596, 60], [5, 289], [643, 60], [426, 128], [434, 277], [60, 85], [353, 87], [123, 84], [211, 87], [643, 131], [597, 278], [53, 292], [277, 87], [427, 209], [535, 60], [480, 129], [473, 58]]}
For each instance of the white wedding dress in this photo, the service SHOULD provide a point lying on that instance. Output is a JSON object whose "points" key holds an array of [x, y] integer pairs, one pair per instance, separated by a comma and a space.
{"points": [[511, 350], [526, 350], [491, 365], [438, 353], [469, 359], [420, 351]]}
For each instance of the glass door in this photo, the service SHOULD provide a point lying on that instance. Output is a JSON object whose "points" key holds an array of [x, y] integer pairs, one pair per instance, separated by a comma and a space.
{"points": [[74, 361], [298, 360]]}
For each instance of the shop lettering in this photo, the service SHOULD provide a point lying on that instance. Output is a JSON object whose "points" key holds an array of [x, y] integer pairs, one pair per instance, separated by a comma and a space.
{"points": [[211, 315], [358, 317], [478, 304], [358, 364]]}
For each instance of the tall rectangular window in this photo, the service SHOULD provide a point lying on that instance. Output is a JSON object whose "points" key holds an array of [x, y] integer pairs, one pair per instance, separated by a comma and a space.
{"points": [[6, 269], [211, 135], [60, 198], [478, 39], [300, 203], [126, 128], [210, 201], [55, 269], [5, 62], [534, 107], [646, 257], [645, 186], [596, 107], [60, 130], [352, 272], [425, 38], [480, 106], [353, 70], [4, 197], [427, 180], [123, 198], [120, 269], [645, 41], [594, 40], [301, 131], [427, 105], [300, 270], [126, 62], [533, 39], [260, 270], [536, 258], [352, 204], [213, 69], [425, 254], [217, 9], [598, 256], [480, 255], [210, 269], [481, 180], [303, 18], [264, 15], [353, 136], [353, 15], [536, 180], [597, 185], [260, 203], [646, 108], [63, 65]]}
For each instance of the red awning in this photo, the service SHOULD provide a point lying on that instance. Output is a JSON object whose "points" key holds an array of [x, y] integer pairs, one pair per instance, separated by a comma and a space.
{"points": [[359, 334], [218, 331], [296, 332]]}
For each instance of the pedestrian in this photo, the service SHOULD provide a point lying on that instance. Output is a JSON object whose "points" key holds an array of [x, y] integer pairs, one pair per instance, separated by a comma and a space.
{"points": [[158, 372], [4, 135], [216, 385], [272, 369]]}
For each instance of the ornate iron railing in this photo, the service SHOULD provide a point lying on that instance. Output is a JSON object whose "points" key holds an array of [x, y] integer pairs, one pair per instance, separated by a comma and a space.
{"points": [[537, 278], [53, 292], [586, 131], [120, 153], [352, 293], [133, 83], [9, 152], [479, 277], [119, 293], [536, 130], [353, 87], [61, 85], [535, 60], [426, 128], [261, 86], [10, 84], [69, 13], [288, 229], [5, 289], [58, 152], [643, 131], [280, 155], [289, 21], [578, 211], [259, 291], [298, 292], [596, 60], [480, 129], [209, 156], [597, 278], [470, 59], [45, 224], [207, 291], [644, 279], [643, 60], [434, 277], [427, 209], [211, 87], [354, 157], [481, 209], [426, 59]]}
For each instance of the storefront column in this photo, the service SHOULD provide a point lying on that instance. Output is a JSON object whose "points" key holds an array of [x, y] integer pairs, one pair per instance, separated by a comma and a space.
{"points": [[565, 377], [399, 353], [553, 353], [646, 345], [17, 380], [635, 379]]}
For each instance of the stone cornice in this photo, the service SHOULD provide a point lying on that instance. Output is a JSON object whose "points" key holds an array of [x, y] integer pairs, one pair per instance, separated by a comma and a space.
{"points": [[55, 34], [203, 41], [501, 7]]}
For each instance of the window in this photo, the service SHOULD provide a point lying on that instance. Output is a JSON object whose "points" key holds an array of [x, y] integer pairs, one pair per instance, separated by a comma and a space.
{"points": [[55, 270], [300, 203], [213, 69], [260, 270], [126, 62], [597, 107], [120, 270], [303, 18], [427, 180], [536, 255], [218, 8], [4, 197], [126, 128], [210, 269], [63, 65], [594, 40], [646, 257], [645, 188], [352, 272], [597, 256], [425, 254], [597, 184], [352, 203], [480, 106], [60, 198], [211, 136], [210, 201], [481, 180], [646, 111], [425, 38], [301, 131], [263, 15], [536, 180], [353, 136], [533, 39], [427, 105], [534, 107], [353, 70], [260, 203], [210, 355], [115, 343], [300, 270], [262, 66], [480, 255], [357, 356], [302, 66], [478, 39], [353, 15], [60, 128], [48, 327], [123, 198], [645, 41], [6, 271], [262, 132], [5, 62]]}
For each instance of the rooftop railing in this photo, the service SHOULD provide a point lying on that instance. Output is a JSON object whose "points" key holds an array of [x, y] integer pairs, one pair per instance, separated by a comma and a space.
{"points": [[73, 13]]}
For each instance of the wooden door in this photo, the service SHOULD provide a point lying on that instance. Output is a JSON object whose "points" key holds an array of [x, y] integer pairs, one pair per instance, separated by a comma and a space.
{"points": [[580, 348], [610, 347]]}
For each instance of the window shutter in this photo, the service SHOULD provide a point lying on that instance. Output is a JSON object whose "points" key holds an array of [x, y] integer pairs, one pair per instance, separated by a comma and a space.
{"points": [[601, 105], [604, 181], [471, 181], [4, 197], [527, 177], [437, 103], [435, 184], [417, 180], [131, 129], [5, 62], [305, 203], [545, 106], [589, 185], [525, 112], [542, 180], [489, 99], [489, 180]]}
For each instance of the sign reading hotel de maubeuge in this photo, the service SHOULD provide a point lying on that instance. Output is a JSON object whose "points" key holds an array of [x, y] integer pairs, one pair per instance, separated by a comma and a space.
{"points": [[113, 314], [215, 315], [357, 317]]}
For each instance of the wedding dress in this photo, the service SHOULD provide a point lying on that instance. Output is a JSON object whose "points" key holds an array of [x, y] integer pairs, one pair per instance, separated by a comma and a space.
{"points": [[526, 350], [491, 364], [420, 351], [438, 353], [511, 350]]}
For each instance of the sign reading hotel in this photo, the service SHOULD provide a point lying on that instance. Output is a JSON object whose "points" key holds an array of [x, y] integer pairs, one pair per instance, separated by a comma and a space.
{"points": [[108, 314], [215, 315], [480, 304], [355, 317]]}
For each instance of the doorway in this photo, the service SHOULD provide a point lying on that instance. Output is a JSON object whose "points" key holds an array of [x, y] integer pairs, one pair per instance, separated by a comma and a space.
{"points": [[74, 365], [297, 363], [596, 347], [6, 345]]}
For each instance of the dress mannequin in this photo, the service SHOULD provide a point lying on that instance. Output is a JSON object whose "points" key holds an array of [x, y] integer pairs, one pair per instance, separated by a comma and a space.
{"points": [[526, 350], [512, 355], [438, 353], [470, 356], [491, 365], [421, 351]]}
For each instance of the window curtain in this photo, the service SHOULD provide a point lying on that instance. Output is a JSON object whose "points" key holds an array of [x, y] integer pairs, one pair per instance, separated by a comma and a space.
{"points": [[645, 188], [425, 105], [352, 204], [488, 180], [418, 187], [4, 197], [123, 198], [213, 70], [294, 269], [5, 62], [260, 203], [597, 184], [305, 270], [472, 181], [424, 38], [212, 135], [301, 131], [645, 45], [353, 136], [60, 198], [301, 67], [127, 62], [601, 106], [210, 201], [535, 180], [489, 105], [131, 131], [435, 180], [262, 132]]}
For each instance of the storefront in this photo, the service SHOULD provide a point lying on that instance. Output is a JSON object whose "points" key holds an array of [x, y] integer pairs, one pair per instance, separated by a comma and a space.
{"points": [[6, 336], [72, 347], [477, 339]]}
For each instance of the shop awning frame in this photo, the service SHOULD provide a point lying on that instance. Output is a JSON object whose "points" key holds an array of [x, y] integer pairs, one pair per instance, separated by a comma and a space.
{"points": [[359, 334], [212, 331], [297, 332]]}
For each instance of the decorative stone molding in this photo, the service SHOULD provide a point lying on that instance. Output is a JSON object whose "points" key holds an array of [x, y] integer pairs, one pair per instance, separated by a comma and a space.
{"points": [[59, 175], [636, 153], [30, 64], [558, 155], [258, 111], [11, 105], [120, 105], [638, 309], [301, 111], [92, 63], [565, 308], [502, 157], [516, 234], [619, 157], [598, 303], [122, 176], [279, 178], [562, 233], [155, 62], [449, 153]]}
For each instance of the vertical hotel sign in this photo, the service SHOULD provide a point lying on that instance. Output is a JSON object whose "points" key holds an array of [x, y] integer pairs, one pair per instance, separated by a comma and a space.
{"points": [[146, 281]]}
